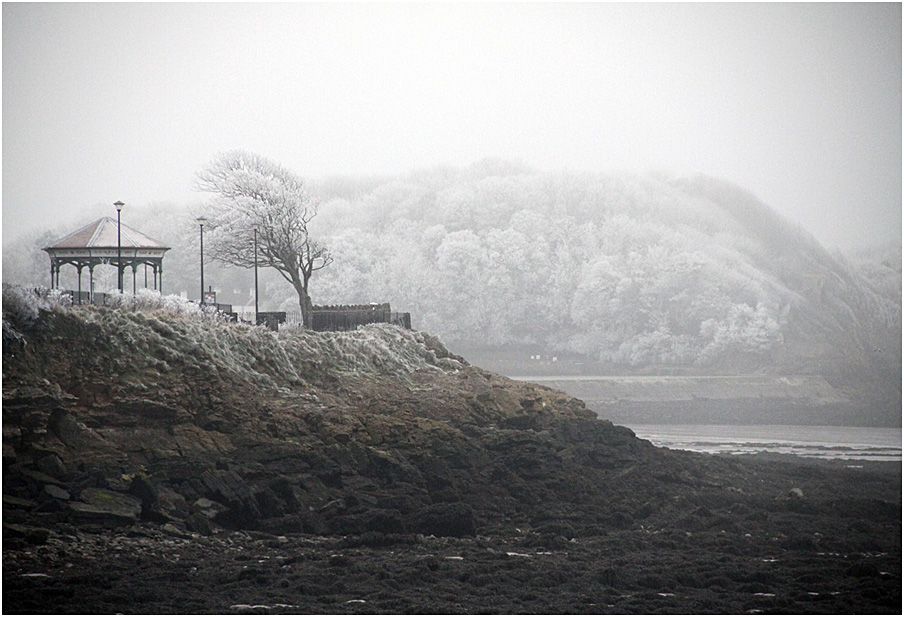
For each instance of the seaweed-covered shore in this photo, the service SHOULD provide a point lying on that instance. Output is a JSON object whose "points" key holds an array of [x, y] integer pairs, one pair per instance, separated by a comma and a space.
{"points": [[777, 556]]}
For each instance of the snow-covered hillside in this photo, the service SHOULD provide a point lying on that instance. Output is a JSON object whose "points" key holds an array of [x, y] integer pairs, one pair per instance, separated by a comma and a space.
{"points": [[630, 270]]}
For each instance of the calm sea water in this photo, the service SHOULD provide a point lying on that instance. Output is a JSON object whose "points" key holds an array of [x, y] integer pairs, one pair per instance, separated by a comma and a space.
{"points": [[830, 442]]}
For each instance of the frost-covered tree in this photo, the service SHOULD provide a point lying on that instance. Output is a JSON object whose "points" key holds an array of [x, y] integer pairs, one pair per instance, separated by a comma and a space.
{"points": [[251, 192]]}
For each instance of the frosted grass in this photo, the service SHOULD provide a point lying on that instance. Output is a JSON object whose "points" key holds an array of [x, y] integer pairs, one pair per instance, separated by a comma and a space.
{"points": [[168, 331]]}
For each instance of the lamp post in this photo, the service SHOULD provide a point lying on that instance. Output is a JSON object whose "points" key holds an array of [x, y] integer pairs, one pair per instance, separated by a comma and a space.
{"points": [[119, 206], [255, 275], [201, 220]]}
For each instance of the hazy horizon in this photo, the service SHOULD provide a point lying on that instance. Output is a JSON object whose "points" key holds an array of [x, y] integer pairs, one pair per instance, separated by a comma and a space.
{"points": [[799, 104]]}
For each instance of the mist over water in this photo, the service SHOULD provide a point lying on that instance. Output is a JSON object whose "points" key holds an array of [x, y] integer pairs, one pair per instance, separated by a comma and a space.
{"points": [[823, 442]]}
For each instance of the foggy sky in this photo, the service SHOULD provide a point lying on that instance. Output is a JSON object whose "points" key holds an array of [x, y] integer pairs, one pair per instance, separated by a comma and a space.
{"points": [[800, 104]]}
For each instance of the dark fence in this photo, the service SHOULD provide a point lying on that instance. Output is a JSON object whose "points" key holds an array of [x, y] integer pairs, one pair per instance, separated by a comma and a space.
{"points": [[334, 318], [271, 320], [403, 320], [349, 317]]}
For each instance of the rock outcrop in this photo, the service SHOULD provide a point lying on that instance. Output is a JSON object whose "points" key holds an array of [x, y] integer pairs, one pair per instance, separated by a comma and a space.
{"points": [[114, 416]]}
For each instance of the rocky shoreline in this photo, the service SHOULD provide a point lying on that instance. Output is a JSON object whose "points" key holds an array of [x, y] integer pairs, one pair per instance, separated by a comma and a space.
{"points": [[159, 464], [779, 554]]}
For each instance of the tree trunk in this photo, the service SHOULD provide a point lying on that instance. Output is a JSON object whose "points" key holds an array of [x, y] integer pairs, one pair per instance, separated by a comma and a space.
{"points": [[304, 302], [307, 309]]}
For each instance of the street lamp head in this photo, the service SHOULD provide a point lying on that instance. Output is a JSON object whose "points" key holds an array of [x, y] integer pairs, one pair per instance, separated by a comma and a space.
{"points": [[118, 205], [201, 220]]}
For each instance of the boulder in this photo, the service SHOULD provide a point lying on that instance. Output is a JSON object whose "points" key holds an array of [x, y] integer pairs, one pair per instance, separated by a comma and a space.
{"points": [[207, 507], [52, 465], [142, 488], [240, 499], [160, 503], [28, 533], [106, 506], [9, 452], [73, 433], [56, 492], [199, 523], [11, 501]]}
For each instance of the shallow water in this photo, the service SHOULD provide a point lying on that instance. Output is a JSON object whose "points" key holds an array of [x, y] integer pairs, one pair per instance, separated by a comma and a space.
{"points": [[827, 442]]}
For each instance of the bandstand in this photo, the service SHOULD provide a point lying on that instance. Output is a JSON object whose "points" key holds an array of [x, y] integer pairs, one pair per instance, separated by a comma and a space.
{"points": [[102, 243]]}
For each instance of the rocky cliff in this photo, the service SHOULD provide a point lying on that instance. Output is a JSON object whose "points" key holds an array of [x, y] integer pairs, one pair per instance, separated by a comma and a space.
{"points": [[133, 414]]}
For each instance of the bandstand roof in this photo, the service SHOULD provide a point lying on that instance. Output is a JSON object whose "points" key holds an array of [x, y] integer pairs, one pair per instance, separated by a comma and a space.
{"points": [[101, 234]]}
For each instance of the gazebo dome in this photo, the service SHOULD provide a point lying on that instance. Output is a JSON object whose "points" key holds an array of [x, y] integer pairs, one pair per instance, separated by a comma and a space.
{"points": [[103, 242], [101, 234]]}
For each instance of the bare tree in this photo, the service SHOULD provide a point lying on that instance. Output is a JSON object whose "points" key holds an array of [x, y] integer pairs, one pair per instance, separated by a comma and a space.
{"points": [[251, 192]]}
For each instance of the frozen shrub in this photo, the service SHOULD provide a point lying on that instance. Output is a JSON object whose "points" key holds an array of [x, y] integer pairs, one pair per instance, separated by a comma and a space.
{"points": [[149, 301], [375, 348], [150, 330], [22, 307]]}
